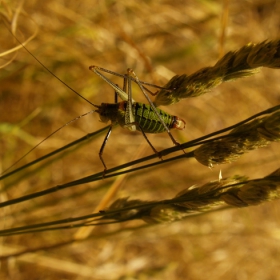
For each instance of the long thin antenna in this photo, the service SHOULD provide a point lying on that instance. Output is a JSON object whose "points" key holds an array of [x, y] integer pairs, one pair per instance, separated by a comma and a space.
{"points": [[90, 112], [46, 68], [5, 171]]}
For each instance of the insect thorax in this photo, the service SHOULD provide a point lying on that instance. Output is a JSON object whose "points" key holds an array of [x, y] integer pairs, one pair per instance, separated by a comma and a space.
{"points": [[109, 112]]}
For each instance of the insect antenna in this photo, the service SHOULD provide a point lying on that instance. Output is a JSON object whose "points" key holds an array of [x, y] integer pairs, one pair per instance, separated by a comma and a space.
{"points": [[75, 119], [48, 70]]}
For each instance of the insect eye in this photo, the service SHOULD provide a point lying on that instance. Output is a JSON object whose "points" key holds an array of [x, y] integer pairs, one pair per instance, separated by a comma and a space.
{"points": [[103, 118]]}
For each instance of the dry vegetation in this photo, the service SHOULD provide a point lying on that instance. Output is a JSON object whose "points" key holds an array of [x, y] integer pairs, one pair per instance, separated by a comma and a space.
{"points": [[217, 238]]}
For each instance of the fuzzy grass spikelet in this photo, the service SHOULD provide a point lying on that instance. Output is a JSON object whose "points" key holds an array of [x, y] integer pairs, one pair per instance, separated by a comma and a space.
{"points": [[233, 65], [236, 192], [256, 134]]}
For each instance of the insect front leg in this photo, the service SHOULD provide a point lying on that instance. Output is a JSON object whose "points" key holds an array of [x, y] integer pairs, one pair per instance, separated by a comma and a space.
{"points": [[108, 133], [102, 148]]}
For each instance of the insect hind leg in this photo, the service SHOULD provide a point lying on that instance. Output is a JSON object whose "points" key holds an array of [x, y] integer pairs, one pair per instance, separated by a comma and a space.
{"points": [[145, 136], [131, 75]]}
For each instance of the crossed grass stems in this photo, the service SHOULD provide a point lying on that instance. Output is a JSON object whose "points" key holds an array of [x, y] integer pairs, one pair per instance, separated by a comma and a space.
{"points": [[216, 148]]}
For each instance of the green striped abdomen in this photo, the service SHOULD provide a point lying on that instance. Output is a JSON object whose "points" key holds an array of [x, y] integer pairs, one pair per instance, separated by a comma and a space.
{"points": [[148, 120]]}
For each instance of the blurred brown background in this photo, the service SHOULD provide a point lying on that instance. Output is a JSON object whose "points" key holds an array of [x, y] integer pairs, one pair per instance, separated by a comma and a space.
{"points": [[158, 39]]}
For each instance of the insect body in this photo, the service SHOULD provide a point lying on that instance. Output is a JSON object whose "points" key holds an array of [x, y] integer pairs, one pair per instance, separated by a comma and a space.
{"points": [[134, 115], [146, 119], [129, 114]]}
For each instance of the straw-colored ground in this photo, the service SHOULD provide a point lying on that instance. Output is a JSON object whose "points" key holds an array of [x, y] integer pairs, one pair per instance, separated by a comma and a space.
{"points": [[158, 39]]}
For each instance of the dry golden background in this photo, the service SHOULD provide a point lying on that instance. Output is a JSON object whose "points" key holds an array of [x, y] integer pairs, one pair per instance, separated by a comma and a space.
{"points": [[157, 39]]}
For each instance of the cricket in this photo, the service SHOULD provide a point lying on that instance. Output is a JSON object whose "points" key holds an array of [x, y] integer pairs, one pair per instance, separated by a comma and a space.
{"points": [[134, 115], [128, 113]]}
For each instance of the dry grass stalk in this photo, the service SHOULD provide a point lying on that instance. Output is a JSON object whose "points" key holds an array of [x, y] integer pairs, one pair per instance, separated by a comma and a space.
{"points": [[233, 65], [235, 191]]}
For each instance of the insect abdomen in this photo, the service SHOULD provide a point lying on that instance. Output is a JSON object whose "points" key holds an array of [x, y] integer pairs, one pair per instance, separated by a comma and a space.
{"points": [[148, 120]]}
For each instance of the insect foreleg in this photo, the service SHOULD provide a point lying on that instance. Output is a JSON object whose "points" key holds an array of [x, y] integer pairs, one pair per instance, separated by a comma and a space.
{"points": [[103, 146]]}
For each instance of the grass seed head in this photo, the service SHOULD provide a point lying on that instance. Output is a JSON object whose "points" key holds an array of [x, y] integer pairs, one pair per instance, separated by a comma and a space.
{"points": [[233, 65]]}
